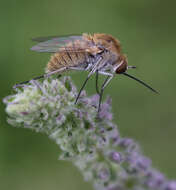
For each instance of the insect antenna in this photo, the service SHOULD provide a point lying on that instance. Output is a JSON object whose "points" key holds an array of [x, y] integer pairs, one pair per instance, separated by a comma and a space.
{"points": [[141, 82]]}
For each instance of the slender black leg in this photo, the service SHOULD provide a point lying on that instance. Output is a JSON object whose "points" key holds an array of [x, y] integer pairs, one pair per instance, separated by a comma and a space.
{"points": [[93, 70], [42, 76], [100, 100], [83, 87], [108, 78], [25, 82], [97, 82]]}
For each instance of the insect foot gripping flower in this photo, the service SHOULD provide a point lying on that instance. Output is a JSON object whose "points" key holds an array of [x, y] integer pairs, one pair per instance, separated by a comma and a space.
{"points": [[92, 144]]}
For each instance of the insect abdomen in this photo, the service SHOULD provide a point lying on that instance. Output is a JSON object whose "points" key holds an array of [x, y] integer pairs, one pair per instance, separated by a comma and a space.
{"points": [[65, 59]]}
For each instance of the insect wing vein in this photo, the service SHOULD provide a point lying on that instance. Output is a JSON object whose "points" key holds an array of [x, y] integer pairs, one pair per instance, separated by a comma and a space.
{"points": [[59, 44]]}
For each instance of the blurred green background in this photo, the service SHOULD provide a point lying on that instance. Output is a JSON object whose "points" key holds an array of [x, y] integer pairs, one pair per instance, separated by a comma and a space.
{"points": [[147, 31]]}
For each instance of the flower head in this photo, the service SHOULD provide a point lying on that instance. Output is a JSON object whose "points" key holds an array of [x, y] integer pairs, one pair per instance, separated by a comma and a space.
{"points": [[91, 143]]}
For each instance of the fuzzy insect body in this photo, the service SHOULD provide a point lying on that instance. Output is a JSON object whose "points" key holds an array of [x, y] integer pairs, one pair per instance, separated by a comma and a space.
{"points": [[83, 52], [97, 53], [66, 60]]}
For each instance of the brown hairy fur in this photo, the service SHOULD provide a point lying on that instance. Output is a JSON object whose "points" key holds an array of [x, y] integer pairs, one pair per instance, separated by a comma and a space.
{"points": [[80, 49]]}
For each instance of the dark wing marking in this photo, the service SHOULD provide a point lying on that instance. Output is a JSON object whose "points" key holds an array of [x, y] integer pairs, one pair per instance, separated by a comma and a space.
{"points": [[59, 44]]}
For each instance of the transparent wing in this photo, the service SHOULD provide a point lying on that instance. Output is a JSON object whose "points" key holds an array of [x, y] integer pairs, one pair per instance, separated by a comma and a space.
{"points": [[56, 44], [46, 38]]}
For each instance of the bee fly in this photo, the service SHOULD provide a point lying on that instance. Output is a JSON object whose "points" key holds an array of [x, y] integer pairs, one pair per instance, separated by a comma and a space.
{"points": [[97, 54]]}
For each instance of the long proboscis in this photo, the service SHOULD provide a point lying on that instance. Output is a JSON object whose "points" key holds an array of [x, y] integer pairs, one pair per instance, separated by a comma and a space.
{"points": [[141, 82]]}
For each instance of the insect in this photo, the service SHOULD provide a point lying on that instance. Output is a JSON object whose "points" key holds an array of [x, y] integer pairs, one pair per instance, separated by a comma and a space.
{"points": [[97, 53]]}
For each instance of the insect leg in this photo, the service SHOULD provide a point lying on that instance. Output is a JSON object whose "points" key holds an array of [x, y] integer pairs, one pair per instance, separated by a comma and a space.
{"points": [[105, 73], [107, 80], [89, 75], [93, 70], [56, 71], [25, 82], [77, 68], [97, 82], [39, 77]]}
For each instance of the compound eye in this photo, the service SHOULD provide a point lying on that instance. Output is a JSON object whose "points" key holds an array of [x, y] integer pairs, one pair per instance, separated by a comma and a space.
{"points": [[122, 68]]}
